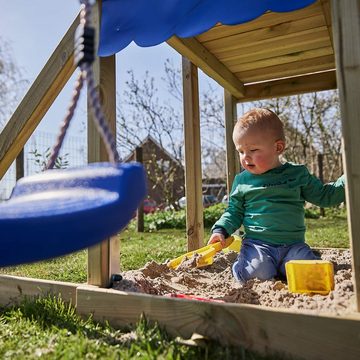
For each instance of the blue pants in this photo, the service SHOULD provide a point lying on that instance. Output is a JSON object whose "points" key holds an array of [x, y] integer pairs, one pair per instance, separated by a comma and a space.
{"points": [[263, 261]]}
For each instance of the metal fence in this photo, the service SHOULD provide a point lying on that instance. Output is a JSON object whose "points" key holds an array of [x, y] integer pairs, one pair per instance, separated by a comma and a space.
{"points": [[73, 153]]}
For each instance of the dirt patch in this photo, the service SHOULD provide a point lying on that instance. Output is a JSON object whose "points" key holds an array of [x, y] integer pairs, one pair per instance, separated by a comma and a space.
{"points": [[216, 282]]}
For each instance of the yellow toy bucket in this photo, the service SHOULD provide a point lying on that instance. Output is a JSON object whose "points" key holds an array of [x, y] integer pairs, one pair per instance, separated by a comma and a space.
{"points": [[310, 276]]}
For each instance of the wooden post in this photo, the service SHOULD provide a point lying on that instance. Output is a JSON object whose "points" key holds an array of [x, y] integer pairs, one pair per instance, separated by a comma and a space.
{"points": [[193, 173], [320, 161], [232, 157], [20, 165], [140, 210], [346, 34], [104, 258]]}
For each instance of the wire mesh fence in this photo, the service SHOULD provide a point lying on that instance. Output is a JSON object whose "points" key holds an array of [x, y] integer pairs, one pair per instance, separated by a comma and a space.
{"points": [[36, 153]]}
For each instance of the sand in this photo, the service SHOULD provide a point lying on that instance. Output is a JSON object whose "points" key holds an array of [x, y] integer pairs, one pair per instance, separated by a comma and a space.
{"points": [[216, 282]]}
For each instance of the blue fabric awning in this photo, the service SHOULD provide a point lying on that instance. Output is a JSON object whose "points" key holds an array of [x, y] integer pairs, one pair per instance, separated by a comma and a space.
{"points": [[151, 22]]}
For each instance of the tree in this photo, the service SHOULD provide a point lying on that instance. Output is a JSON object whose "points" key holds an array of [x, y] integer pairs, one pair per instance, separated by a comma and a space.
{"points": [[312, 126], [142, 114], [11, 82]]}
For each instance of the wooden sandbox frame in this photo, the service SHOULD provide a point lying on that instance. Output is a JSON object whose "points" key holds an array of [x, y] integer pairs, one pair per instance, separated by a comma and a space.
{"points": [[254, 327]]}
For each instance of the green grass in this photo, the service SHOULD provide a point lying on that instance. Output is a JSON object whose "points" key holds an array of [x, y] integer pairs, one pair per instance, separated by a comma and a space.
{"points": [[329, 231], [49, 329]]}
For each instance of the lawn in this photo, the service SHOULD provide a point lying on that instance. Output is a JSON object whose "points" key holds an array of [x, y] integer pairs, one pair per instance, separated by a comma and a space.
{"points": [[49, 329]]}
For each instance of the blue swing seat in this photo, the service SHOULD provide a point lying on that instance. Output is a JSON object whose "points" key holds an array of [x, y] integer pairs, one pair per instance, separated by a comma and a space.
{"points": [[61, 211]]}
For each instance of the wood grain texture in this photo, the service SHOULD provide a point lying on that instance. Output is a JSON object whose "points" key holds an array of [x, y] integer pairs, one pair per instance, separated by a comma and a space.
{"points": [[267, 20], [291, 86], [14, 289], [268, 331], [102, 259], [346, 30], [232, 157], [193, 172], [209, 64]]}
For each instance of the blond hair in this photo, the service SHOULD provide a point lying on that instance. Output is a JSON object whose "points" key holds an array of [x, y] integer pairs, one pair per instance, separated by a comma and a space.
{"points": [[262, 120]]}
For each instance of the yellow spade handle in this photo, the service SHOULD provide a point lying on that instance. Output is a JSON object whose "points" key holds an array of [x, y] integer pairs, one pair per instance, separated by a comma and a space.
{"points": [[174, 263]]}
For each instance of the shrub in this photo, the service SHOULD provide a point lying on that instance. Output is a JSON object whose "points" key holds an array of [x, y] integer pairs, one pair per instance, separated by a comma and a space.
{"points": [[177, 219]]}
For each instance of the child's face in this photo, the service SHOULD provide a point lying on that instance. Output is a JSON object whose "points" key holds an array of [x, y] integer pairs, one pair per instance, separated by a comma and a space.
{"points": [[259, 151]]}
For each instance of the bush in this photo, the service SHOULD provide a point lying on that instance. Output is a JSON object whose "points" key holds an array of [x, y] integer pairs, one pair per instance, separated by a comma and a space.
{"points": [[177, 219], [172, 219]]}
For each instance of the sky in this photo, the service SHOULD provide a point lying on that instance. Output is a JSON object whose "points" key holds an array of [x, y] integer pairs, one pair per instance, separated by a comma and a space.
{"points": [[34, 28]]}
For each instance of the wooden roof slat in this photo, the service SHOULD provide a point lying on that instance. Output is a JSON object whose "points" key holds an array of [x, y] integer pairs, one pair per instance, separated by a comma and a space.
{"points": [[290, 69], [319, 37], [291, 86], [232, 42], [267, 20], [327, 15], [284, 59]]}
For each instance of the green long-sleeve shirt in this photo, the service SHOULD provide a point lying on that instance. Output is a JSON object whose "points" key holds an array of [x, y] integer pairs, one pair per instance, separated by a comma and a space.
{"points": [[271, 205]]}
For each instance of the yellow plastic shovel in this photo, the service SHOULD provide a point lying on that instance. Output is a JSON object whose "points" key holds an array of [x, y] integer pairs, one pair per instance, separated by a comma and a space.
{"points": [[206, 254]]}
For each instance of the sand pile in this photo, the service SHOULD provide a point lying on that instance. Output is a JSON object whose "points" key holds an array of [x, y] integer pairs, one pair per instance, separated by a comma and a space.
{"points": [[216, 282]]}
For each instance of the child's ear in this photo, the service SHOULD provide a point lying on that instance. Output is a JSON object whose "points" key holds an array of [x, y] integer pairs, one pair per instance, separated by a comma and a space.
{"points": [[280, 146]]}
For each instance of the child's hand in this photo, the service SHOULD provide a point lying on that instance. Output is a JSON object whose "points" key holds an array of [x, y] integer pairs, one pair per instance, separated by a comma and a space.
{"points": [[214, 238]]}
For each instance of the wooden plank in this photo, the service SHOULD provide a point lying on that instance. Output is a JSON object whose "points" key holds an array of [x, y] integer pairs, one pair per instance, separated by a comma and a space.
{"points": [[277, 47], [284, 59], [284, 30], [346, 27], [266, 330], [20, 165], [321, 63], [290, 86], [232, 157], [38, 100], [208, 63], [193, 173], [13, 289], [325, 4], [269, 19], [102, 260]]}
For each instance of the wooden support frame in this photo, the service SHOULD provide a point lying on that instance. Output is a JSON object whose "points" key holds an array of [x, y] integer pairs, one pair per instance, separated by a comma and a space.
{"points": [[232, 157], [254, 327], [37, 101], [201, 57], [193, 173], [103, 258], [265, 330], [325, 80], [346, 34]]}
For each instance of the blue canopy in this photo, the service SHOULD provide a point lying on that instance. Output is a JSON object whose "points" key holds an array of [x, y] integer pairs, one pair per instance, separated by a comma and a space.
{"points": [[151, 22]]}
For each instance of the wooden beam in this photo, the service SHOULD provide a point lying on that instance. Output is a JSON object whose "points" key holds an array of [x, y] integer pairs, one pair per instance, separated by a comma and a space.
{"points": [[13, 289], [322, 63], [290, 86], [346, 27], [282, 60], [193, 173], [232, 157], [325, 4], [38, 100], [262, 329], [103, 258], [208, 63]]}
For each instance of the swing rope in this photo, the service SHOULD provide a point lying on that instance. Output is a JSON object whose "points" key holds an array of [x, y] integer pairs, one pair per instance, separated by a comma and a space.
{"points": [[83, 57]]}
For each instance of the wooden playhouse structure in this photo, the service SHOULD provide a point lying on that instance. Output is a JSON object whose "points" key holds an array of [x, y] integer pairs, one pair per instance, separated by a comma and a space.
{"points": [[312, 49]]}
